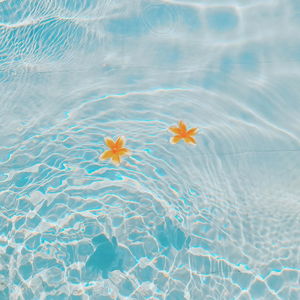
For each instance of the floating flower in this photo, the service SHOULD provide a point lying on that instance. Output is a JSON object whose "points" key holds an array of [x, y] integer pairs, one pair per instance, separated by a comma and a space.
{"points": [[116, 151], [182, 133]]}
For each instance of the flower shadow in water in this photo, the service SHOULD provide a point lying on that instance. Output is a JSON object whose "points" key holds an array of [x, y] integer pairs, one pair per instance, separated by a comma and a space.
{"points": [[106, 257]]}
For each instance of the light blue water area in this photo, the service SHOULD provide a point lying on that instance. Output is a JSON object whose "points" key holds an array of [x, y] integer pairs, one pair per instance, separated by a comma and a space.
{"points": [[215, 221]]}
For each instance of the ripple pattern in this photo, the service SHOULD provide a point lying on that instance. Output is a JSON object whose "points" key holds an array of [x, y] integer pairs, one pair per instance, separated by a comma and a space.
{"points": [[216, 221]]}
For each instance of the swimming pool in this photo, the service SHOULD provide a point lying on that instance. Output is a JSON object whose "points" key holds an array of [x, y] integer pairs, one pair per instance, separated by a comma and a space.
{"points": [[215, 220]]}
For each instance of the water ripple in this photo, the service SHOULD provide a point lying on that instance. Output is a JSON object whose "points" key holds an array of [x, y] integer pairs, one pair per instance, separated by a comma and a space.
{"points": [[216, 221]]}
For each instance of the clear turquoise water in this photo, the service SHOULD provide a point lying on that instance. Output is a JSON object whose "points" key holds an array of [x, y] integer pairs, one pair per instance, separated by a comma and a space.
{"points": [[220, 220]]}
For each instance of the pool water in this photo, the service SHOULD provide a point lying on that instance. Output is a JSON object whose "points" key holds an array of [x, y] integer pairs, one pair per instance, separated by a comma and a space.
{"points": [[218, 220]]}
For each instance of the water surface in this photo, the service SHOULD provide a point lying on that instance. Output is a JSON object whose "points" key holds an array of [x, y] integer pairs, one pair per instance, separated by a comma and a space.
{"points": [[216, 221]]}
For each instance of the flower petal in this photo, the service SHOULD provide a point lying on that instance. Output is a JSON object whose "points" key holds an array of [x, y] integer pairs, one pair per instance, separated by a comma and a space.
{"points": [[116, 159], [192, 131], [106, 155], [124, 151], [120, 142], [182, 125], [175, 139], [109, 142], [174, 129], [190, 140]]}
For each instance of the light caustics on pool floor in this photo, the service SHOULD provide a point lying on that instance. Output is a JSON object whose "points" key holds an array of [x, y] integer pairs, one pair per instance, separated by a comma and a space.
{"points": [[219, 220]]}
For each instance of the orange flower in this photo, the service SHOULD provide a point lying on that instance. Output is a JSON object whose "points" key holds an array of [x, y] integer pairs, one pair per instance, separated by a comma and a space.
{"points": [[182, 133], [116, 151]]}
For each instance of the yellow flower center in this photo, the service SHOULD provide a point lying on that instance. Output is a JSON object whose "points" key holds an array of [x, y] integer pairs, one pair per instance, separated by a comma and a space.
{"points": [[183, 133]]}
